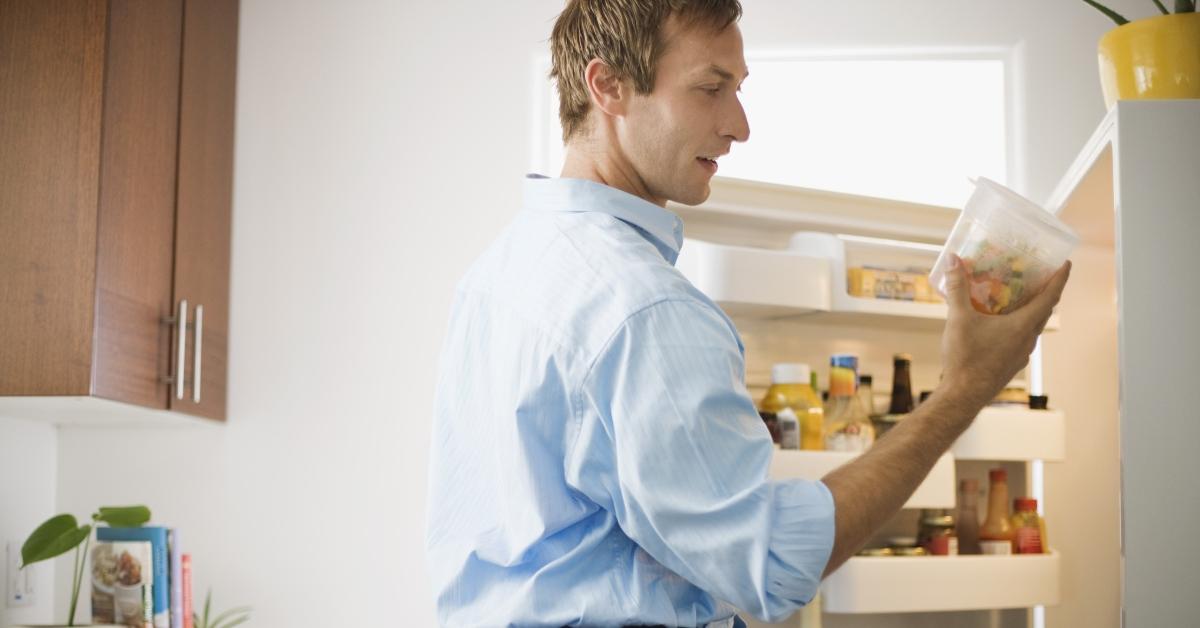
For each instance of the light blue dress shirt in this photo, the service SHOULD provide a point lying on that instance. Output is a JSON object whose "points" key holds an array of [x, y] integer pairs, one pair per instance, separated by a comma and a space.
{"points": [[596, 459]]}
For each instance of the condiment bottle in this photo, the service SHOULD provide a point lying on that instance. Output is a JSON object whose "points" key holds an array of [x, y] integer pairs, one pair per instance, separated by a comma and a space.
{"points": [[936, 533], [1029, 530], [967, 522], [866, 394], [902, 397], [847, 426], [790, 389], [772, 423], [789, 429], [996, 534]]}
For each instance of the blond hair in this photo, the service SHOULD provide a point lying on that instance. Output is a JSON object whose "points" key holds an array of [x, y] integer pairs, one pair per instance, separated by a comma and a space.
{"points": [[624, 34]]}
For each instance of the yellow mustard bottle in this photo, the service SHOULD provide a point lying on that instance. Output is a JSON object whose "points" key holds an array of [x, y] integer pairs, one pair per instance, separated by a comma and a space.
{"points": [[790, 389]]}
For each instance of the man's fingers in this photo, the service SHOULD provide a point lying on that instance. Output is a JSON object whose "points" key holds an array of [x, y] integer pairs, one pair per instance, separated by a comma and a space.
{"points": [[1042, 304], [958, 289]]}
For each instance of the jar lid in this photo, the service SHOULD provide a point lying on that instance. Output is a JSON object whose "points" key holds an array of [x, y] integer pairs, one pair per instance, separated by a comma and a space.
{"points": [[865, 379], [939, 521], [1039, 402], [790, 373], [998, 475], [1025, 504]]}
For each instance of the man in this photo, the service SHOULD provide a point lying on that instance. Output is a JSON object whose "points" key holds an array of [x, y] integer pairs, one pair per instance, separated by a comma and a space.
{"points": [[596, 459]]}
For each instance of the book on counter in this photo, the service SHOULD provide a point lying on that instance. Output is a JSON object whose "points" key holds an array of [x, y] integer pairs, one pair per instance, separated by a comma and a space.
{"points": [[123, 583], [176, 578], [160, 585], [185, 561]]}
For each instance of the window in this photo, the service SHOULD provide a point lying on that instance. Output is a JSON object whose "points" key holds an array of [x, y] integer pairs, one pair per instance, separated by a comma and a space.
{"points": [[908, 127]]}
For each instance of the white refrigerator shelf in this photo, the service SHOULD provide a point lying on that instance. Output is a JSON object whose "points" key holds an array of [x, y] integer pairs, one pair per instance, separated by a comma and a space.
{"points": [[937, 491], [1017, 433], [901, 584], [808, 279]]}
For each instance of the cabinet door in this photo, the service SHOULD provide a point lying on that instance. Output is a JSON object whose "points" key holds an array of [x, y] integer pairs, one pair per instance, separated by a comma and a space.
{"points": [[51, 76], [137, 202], [204, 198]]}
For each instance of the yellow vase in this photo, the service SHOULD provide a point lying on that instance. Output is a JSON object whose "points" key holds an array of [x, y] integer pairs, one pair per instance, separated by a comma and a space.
{"points": [[1157, 57]]}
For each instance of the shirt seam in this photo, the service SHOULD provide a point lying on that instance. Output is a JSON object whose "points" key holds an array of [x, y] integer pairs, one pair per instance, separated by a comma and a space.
{"points": [[577, 394]]}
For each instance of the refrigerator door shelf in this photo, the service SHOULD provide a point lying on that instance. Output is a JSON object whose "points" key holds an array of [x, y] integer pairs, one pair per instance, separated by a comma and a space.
{"points": [[937, 491], [754, 282], [809, 279], [1018, 434], [895, 584]]}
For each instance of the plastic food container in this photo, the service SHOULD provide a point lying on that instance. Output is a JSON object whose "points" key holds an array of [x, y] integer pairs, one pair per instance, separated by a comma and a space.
{"points": [[1009, 245]]}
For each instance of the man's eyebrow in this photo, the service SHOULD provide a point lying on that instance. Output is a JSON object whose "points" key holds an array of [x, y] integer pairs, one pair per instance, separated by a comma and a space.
{"points": [[722, 72]]}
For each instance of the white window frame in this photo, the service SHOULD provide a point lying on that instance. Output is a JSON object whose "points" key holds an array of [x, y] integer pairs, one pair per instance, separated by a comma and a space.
{"points": [[547, 144]]}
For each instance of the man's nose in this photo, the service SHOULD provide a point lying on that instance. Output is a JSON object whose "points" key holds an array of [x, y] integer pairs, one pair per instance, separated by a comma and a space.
{"points": [[737, 127]]}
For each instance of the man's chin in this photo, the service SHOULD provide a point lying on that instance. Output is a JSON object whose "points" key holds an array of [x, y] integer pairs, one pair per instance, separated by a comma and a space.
{"points": [[694, 196]]}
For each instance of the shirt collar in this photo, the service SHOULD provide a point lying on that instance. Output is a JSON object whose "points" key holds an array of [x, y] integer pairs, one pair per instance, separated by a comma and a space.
{"points": [[581, 195]]}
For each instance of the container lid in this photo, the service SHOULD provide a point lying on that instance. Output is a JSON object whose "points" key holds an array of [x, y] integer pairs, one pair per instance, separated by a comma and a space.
{"points": [[1039, 402], [1028, 210], [998, 475], [865, 380], [906, 357], [844, 360], [790, 373], [1025, 504]]}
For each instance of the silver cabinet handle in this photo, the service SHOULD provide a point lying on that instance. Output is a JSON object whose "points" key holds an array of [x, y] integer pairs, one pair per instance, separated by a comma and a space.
{"points": [[198, 345], [181, 357]]}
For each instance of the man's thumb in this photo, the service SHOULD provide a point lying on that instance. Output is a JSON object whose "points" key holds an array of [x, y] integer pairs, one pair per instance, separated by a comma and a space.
{"points": [[958, 292]]}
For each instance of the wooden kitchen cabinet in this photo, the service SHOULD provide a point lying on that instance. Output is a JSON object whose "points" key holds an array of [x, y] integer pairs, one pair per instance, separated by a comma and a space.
{"points": [[116, 154]]}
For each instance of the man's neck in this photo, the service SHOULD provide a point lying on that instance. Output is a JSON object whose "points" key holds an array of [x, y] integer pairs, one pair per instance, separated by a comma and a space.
{"points": [[583, 161]]}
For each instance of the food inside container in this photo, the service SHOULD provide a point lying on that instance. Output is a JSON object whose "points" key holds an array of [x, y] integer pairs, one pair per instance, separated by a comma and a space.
{"points": [[1009, 246]]}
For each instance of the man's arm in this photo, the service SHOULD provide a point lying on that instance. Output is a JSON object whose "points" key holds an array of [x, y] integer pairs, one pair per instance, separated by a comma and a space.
{"points": [[981, 354]]}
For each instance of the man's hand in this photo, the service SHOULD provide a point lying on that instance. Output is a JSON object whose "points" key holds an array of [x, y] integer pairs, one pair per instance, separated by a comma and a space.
{"points": [[981, 353]]}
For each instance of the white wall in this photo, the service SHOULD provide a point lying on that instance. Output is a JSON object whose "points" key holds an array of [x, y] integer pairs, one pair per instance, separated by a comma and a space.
{"points": [[28, 466], [379, 147]]}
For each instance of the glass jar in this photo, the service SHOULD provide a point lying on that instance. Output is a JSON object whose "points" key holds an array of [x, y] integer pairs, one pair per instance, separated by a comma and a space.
{"points": [[790, 388]]}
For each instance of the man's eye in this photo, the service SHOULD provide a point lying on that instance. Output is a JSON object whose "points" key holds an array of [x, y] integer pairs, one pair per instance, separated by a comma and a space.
{"points": [[712, 90]]}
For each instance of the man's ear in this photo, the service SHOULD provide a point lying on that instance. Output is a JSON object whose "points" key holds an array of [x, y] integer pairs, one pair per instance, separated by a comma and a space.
{"points": [[607, 91]]}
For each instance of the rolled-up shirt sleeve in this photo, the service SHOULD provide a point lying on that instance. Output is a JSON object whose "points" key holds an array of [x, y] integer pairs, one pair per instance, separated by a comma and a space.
{"points": [[668, 439]]}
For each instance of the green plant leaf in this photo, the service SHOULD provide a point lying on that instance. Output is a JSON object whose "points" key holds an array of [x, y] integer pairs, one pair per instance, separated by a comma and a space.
{"points": [[1185, 6], [57, 536], [235, 622], [123, 516], [1112, 15], [1161, 7], [230, 615]]}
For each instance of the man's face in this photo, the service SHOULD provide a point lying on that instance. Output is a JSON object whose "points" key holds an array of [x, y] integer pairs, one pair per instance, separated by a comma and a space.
{"points": [[671, 135]]}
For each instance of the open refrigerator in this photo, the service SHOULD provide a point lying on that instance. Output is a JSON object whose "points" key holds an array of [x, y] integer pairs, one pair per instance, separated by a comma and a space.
{"points": [[776, 258]]}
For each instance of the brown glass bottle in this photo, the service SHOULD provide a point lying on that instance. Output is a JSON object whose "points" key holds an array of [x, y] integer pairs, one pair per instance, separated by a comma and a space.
{"points": [[967, 521], [902, 397]]}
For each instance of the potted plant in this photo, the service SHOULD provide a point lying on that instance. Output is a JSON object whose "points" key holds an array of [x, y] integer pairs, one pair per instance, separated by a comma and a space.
{"points": [[62, 533], [1157, 57]]}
